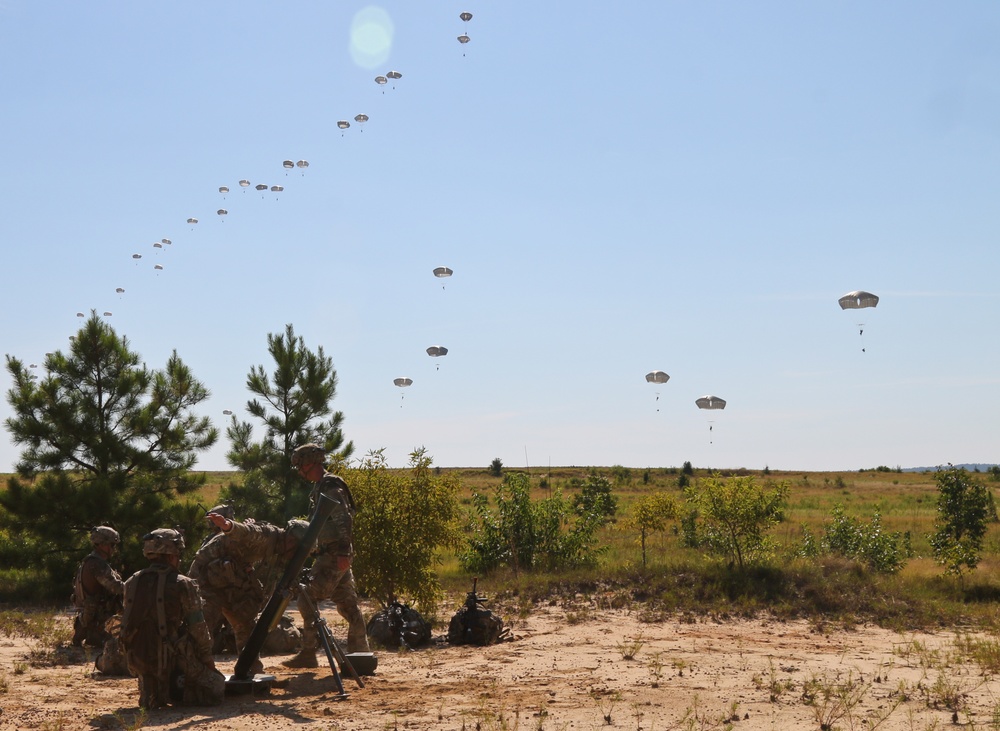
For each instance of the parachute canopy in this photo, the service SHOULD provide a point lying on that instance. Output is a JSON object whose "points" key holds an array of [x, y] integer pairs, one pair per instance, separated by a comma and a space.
{"points": [[277, 188], [158, 267], [157, 245], [394, 75], [192, 220], [710, 402], [402, 382], [657, 377], [166, 241], [222, 211], [244, 183], [302, 163], [857, 300], [223, 189], [260, 186], [360, 118], [465, 16], [443, 272], [343, 124], [120, 290], [437, 350], [286, 164], [136, 256], [380, 80], [463, 38], [107, 314], [227, 412]]}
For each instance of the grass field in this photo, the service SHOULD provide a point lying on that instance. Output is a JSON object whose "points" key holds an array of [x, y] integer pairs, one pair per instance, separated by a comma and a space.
{"points": [[677, 578]]}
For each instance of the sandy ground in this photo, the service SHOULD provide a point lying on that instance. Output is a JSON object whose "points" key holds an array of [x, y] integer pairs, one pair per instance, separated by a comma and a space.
{"points": [[590, 669]]}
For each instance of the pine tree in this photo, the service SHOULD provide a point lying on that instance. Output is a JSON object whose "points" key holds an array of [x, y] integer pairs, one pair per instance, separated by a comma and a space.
{"points": [[294, 408], [105, 441]]}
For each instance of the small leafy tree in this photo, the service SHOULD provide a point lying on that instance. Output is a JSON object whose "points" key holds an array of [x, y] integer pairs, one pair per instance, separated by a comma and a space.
{"points": [[496, 467], [293, 406], [649, 514], [403, 521], [105, 440], [964, 506], [526, 535], [734, 515], [596, 499], [881, 550]]}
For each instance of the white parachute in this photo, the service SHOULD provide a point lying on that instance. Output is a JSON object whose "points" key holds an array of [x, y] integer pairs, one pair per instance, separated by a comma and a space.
{"points": [[710, 403], [657, 377], [437, 351], [858, 300], [402, 382], [442, 273]]}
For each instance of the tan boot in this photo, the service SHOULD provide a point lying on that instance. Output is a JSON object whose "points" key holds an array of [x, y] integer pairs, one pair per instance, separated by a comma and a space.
{"points": [[305, 659]]}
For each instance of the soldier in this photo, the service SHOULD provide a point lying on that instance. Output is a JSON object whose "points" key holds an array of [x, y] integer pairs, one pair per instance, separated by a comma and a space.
{"points": [[330, 576], [97, 590], [224, 570], [166, 640]]}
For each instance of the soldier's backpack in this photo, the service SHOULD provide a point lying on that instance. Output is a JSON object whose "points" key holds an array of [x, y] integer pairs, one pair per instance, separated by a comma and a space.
{"points": [[149, 624], [399, 625], [475, 625]]}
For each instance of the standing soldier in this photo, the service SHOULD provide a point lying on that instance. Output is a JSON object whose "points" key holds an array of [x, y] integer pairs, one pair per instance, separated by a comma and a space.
{"points": [[330, 576], [97, 590], [166, 640], [224, 570]]}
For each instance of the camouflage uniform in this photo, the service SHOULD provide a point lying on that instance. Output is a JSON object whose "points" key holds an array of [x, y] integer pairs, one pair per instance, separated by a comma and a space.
{"points": [[166, 640], [326, 580], [224, 570], [97, 592]]}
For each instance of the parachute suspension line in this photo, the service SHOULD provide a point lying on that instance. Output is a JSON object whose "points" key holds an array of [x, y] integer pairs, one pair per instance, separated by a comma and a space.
{"points": [[861, 334]]}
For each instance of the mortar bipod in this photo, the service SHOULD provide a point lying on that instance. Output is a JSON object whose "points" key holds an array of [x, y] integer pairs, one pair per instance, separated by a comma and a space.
{"points": [[334, 655]]}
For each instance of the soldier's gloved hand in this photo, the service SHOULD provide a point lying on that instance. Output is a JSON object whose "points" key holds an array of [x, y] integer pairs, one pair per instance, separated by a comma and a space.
{"points": [[344, 562]]}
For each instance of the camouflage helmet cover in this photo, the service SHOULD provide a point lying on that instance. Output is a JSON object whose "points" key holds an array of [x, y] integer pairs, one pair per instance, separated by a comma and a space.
{"points": [[226, 511], [308, 454], [104, 534], [297, 529], [162, 540]]}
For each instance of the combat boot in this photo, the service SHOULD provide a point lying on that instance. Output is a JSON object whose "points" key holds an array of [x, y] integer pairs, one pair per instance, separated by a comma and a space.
{"points": [[305, 659]]}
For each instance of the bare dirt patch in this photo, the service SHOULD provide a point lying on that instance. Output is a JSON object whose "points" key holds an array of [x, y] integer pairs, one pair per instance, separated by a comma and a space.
{"points": [[591, 670]]}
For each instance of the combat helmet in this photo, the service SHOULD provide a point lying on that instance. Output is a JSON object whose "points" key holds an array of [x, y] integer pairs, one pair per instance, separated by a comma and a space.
{"points": [[162, 540], [297, 529], [104, 534], [308, 454]]}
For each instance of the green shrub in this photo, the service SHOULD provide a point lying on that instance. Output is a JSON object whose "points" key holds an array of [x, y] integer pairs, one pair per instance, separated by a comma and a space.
{"points": [[525, 535], [868, 543]]}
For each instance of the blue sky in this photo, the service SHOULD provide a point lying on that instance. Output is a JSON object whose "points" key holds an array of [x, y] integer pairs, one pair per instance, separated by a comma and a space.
{"points": [[618, 187]]}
